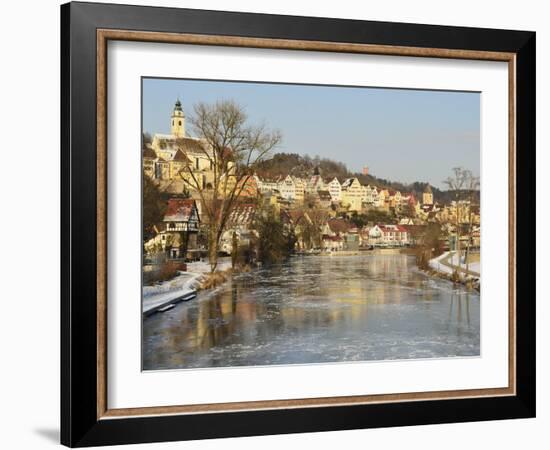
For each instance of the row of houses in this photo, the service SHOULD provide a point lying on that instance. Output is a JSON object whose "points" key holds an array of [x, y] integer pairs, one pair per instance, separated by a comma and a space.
{"points": [[349, 193], [176, 235], [186, 163]]}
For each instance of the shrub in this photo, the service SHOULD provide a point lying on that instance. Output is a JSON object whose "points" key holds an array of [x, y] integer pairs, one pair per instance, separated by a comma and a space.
{"points": [[214, 279], [167, 271]]}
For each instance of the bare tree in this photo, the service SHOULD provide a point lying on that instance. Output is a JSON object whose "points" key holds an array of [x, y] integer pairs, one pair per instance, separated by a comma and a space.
{"points": [[233, 148], [472, 188], [461, 182]]}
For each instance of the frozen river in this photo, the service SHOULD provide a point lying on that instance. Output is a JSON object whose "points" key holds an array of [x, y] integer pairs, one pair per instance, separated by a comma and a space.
{"points": [[316, 310]]}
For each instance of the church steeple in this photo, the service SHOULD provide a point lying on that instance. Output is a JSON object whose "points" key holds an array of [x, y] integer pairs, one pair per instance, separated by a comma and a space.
{"points": [[178, 120], [427, 195]]}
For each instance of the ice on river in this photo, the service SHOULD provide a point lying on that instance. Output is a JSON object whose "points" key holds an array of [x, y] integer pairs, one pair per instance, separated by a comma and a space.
{"points": [[317, 310]]}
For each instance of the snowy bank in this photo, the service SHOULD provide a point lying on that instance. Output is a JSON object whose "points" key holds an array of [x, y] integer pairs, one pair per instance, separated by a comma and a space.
{"points": [[448, 262], [183, 285]]}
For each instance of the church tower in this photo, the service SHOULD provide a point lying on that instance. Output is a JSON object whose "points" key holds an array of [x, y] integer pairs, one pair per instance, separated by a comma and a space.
{"points": [[178, 121], [427, 196]]}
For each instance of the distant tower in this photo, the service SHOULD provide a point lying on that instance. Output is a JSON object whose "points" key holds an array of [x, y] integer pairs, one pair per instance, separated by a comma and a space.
{"points": [[427, 196], [365, 170], [178, 121]]}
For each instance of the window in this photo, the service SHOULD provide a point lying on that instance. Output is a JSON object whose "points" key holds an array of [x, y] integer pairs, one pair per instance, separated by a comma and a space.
{"points": [[180, 123], [197, 163]]}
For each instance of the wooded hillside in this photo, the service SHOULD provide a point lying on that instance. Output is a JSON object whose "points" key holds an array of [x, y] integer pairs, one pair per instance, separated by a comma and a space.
{"points": [[283, 164]]}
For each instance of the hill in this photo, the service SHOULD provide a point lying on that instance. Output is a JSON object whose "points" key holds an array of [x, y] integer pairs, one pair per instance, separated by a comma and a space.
{"points": [[305, 166]]}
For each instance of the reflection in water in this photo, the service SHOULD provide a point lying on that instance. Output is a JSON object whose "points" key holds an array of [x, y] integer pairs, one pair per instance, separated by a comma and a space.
{"points": [[317, 309]]}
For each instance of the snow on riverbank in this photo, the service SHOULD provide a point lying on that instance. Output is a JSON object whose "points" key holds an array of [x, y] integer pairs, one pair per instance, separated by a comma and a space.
{"points": [[435, 264], [472, 267], [444, 262], [185, 282]]}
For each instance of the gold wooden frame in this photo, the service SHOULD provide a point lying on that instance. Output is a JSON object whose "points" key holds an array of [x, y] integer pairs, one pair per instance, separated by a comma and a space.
{"points": [[103, 36]]}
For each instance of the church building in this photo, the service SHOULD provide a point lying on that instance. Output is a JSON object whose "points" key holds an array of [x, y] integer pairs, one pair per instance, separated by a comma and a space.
{"points": [[176, 156]]}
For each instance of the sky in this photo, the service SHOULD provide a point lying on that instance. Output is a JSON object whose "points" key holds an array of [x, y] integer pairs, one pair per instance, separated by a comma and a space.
{"points": [[401, 135]]}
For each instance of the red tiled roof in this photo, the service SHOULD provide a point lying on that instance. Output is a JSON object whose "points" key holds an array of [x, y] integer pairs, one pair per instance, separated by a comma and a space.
{"points": [[390, 228], [148, 152], [179, 209]]}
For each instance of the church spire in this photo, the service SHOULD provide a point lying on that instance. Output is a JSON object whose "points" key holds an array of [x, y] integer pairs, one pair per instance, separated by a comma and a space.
{"points": [[178, 120]]}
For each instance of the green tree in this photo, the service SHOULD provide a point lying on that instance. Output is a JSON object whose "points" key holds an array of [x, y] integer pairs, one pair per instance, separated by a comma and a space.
{"points": [[274, 241]]}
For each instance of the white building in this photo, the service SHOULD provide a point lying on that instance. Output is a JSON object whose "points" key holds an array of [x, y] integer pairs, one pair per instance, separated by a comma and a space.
{"points": [[266, 185], [299, 189], [287, 188], [352, 194], [388, 235], [314, 184], [335, 189]]}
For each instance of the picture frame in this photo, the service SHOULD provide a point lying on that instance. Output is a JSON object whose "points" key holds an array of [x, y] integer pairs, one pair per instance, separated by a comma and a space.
{"points": [[86, 418]]}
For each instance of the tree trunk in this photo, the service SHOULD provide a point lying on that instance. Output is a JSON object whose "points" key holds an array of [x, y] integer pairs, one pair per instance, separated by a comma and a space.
{"points": [[212, 248], [459, 271], [469, 237], [234, 250]]}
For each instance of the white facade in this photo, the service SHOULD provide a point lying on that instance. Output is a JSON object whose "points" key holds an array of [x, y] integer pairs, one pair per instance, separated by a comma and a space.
{"points": [[299, 189], [314, 184], [335, 189], [388, 235], [287, 188]]}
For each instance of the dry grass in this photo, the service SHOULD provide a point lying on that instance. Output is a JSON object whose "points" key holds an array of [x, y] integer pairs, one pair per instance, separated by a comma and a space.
{"points": [[168, 270], [473, 257], [212, 280]]}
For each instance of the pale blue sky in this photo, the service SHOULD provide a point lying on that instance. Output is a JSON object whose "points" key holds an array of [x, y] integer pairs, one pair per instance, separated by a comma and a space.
{"points": [[402, 135]]}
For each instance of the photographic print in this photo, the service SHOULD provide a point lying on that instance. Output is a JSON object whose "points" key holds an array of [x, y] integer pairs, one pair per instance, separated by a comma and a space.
{"points": [[301, 224]]}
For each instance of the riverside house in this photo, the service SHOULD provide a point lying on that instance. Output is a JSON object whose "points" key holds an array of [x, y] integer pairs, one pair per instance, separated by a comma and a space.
{"points": [[334, 234], [177, 234], [388, 236], [241, 223]]}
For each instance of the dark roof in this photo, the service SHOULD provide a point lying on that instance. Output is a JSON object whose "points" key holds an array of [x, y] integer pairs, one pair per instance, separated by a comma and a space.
{"points": [[186, 144], [148, 152], [190, 145], [180, 156], [327, 237]]}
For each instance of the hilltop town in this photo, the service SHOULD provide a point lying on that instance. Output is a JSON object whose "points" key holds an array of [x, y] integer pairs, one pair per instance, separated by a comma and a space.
{"points": [[317, 214]]}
